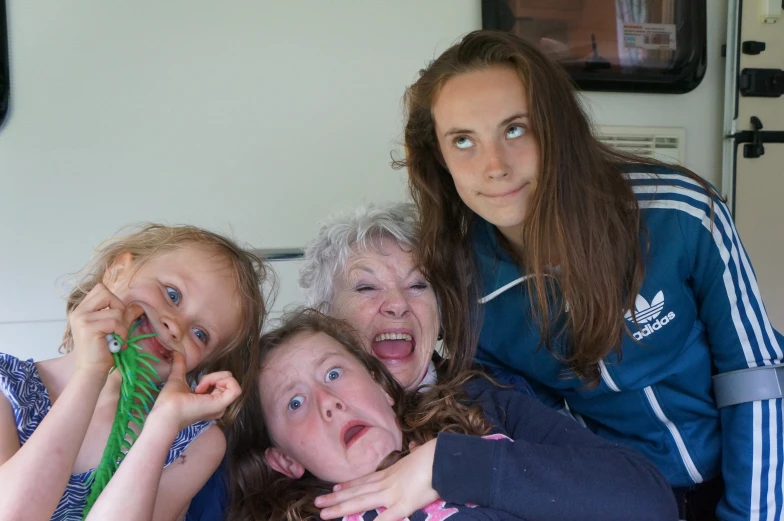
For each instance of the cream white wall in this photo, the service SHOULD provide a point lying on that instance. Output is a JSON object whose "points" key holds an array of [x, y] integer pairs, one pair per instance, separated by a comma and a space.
{"points": [[251, 118]]}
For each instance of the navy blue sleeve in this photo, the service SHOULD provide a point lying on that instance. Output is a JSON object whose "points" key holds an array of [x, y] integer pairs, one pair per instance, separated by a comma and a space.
{"points": [[211, 502], [509, 378], [551, 468]]}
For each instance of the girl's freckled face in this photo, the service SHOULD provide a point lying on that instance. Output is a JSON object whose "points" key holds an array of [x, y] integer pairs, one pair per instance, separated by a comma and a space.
{"points": [[324, 411]]}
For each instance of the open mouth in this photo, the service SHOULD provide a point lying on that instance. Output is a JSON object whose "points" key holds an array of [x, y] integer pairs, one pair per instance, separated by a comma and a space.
{"points": [[155, 347], [393, 346], [352, 431]]}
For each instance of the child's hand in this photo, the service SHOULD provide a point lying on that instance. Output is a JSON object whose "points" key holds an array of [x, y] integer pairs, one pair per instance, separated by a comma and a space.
{"points": [[207, 401], [402, 489], [99, 314]]}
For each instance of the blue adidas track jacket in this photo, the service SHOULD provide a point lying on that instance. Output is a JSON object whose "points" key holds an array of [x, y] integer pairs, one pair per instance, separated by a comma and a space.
{"points": [[700, 314]]}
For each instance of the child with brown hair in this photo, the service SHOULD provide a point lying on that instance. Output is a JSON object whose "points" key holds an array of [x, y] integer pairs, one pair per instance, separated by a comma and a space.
{"points": [[323, 414]]}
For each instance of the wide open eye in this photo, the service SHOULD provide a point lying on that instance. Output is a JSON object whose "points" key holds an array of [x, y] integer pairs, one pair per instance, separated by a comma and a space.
{"points": [[201, 335], [174, 294], [295, 403], [333, 374]]}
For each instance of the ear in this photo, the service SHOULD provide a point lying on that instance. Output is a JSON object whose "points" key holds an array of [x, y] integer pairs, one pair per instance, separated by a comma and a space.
{"points": [[280, 462], [120, 263]]}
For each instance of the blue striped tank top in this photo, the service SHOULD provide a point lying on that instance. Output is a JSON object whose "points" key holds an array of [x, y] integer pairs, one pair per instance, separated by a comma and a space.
{"points": [[22, 386]]}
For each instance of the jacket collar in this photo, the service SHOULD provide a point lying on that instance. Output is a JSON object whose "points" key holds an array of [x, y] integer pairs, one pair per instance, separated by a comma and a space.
{"points": [[497, 269]]}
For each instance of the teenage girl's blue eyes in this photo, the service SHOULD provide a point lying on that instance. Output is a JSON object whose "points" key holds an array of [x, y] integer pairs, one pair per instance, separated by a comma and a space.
{"points": [[174, 295], [515, 131], [463, 142], [295, 403], [333, 374]]}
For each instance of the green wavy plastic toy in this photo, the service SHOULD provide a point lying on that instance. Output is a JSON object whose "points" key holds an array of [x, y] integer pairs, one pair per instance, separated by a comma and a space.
{"points": [[137, 395]]}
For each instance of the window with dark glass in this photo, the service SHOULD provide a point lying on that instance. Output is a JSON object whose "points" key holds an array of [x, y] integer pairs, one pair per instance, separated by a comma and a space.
{"points": [[613, 45]]}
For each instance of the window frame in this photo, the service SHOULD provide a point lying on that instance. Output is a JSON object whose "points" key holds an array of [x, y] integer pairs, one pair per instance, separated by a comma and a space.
{"points": [[682, 79]]}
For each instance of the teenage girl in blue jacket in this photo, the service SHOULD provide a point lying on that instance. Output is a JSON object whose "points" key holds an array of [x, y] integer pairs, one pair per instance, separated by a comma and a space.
{"points": [[616, 285]]}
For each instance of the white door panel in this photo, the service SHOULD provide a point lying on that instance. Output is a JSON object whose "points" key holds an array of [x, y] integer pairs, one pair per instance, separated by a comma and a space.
{"points": [[755, 186], [751, 29], [759, 217]]}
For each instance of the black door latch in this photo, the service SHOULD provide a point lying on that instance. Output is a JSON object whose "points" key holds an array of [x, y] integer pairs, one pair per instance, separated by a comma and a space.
{"points": [[754, 139], [755, 148], [764, 83], [752, 47]]}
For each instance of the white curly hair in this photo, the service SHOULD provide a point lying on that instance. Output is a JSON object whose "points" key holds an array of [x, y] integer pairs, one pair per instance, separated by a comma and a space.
{"points": [[342, 235]]}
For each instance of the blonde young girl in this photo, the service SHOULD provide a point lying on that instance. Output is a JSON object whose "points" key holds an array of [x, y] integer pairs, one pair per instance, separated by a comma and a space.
{"points": [[200, 294]]}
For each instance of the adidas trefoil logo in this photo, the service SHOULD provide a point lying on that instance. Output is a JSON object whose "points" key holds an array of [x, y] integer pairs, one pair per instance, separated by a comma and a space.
{"points": [[648, 314]]}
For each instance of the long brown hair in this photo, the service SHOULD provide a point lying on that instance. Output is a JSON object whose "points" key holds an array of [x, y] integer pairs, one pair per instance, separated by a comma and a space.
{"points": [[583, 212], [146, 241], [259, 493]]}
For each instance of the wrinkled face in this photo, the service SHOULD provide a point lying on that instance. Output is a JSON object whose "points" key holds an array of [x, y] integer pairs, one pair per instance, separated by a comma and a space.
{"points": [[482, 125], [385, 297], [324, 411], [189, 298]]}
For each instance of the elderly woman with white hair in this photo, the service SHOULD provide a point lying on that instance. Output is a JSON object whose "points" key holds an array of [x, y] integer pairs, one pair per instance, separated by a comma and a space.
{"points": [[362, 266]]}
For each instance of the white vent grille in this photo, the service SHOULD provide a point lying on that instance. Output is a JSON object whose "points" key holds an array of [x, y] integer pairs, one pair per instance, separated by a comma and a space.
{"points": [[662, 143]]}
